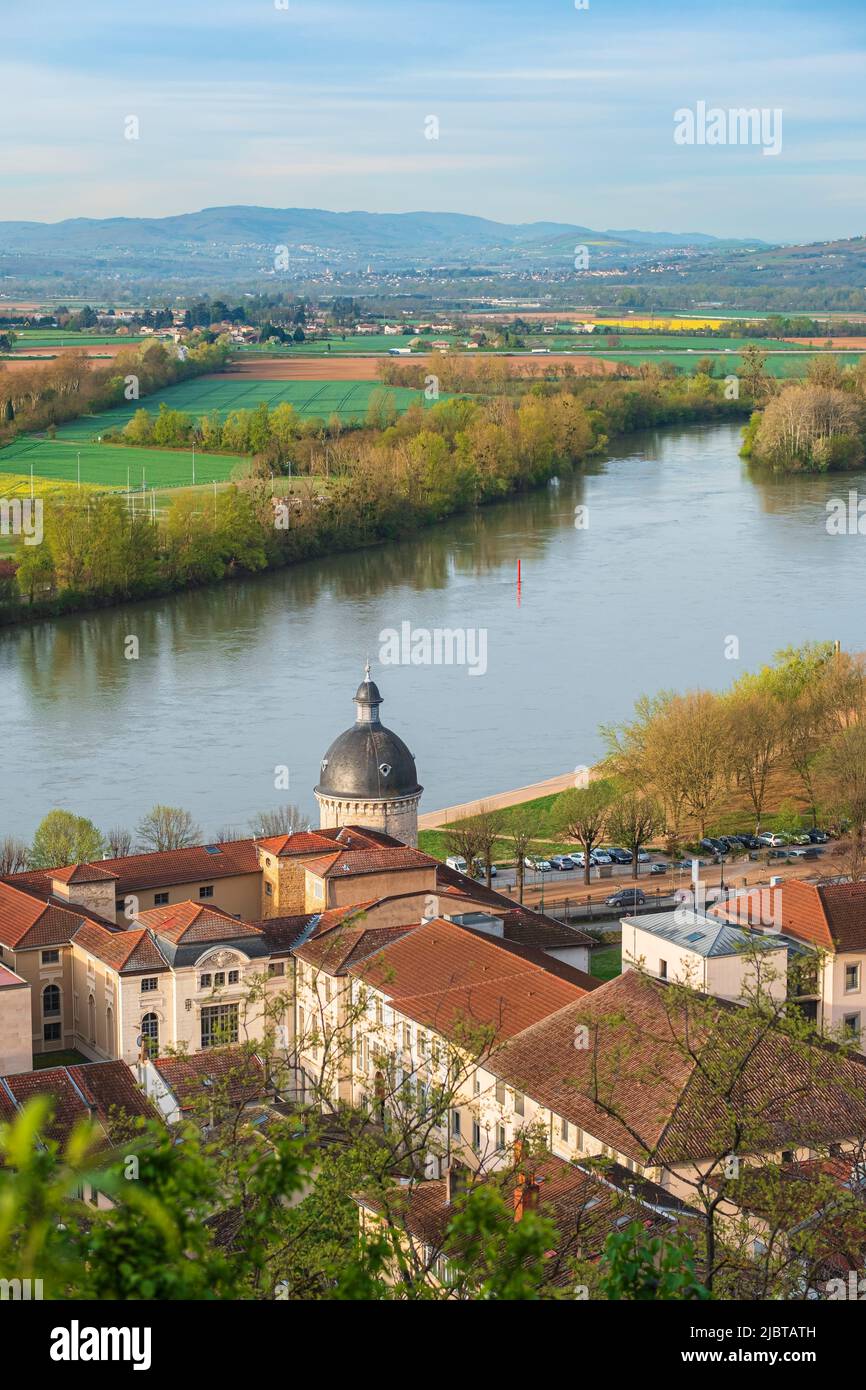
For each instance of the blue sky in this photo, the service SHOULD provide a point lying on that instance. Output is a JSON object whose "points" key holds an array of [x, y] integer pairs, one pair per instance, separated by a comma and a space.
{"points": [[545, 111]]}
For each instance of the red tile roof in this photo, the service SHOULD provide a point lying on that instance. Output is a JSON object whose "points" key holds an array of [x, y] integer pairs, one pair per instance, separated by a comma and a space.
{"points": [[639, 1082], [83, 873], [235, 1074], [125, 951], [831, 916], [28, 921], [452, 981], [348, 863], [95, 1089], [335, 950], [192, 922], [159, 869]]}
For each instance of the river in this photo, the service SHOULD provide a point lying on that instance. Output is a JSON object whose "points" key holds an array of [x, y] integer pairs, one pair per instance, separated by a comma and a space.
{"points": [[682, 552]]}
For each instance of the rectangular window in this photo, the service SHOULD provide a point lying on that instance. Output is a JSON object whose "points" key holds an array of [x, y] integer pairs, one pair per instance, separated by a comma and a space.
{"points": [[277, 967], [500, 1137], [268, 890], [149, 984], [160, 899], [851, 1027], [234, 976], [51, 1032], [663, 969], [219, 1025], [219, 979], [378, 1010], [455, 1123], [476, 1135], [519, 1107], [852, 978], [407, 1036], [500, 1093], [50, 957], [205, 981], [206, 892], [563, 1129], [318, 890], [476, 1084]]}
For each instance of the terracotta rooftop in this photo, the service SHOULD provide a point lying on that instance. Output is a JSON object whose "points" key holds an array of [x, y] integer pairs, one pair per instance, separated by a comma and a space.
{"points": [[452, 980], [125, 951], [94, 1089], [158, 869], [192, 922], [335, 950], [324, 841], [83, 873], [585, 1206], [650, 1078], [28, 920], [236, 1075], [348, 863]]}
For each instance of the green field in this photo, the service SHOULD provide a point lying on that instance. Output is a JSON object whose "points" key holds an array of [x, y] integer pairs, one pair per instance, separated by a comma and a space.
{"points": [[347, 399], [779, 364], [56, 337], [355, 344], [109, 465]]}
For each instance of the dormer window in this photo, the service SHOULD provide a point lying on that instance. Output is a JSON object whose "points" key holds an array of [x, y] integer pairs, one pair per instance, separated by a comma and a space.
{"points": [[385, 769]]}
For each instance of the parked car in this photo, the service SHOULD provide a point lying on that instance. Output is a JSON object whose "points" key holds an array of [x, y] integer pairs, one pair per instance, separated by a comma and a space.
{"points": [[749, 841], [619, 856], [778, 854], [711, 846], [627, 897], [541, 866], [771, 839], [643, 856], [810, 852], [801, 837], [818, 837], [658, 868], [563, 862], [456, 863], [600, 856]]}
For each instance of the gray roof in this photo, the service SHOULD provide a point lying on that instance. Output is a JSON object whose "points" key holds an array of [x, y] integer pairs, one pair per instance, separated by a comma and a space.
{"points": [[706, 936], [368, 760]]}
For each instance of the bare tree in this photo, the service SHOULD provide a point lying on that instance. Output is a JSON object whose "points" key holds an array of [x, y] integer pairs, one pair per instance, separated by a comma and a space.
{"points": [[167, 827], [282, 820], [632, 821], [582, 813], [14, 855], [118, 842]]}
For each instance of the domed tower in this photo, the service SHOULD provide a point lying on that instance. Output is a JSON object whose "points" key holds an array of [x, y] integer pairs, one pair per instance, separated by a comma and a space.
{"points": [[368, 775]]}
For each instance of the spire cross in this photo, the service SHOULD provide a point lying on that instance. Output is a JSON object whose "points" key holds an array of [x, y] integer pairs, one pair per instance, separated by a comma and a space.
{"points": [[367, 670]]}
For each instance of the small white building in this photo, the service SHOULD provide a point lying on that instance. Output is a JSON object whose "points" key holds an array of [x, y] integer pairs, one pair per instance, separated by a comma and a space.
{"points": [[705, 953]]}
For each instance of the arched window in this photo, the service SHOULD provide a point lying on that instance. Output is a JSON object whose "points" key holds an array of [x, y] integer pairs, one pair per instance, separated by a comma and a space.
{"points": [[109, 1029], [51, 1001], [150, 1034], [91, 1018]]}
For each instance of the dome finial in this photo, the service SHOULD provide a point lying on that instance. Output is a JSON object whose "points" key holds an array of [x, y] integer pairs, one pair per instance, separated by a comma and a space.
{"points": [[367, 669]]}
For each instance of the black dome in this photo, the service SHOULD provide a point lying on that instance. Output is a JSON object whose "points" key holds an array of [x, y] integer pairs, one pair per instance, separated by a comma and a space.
{"points": [[368, 760]]}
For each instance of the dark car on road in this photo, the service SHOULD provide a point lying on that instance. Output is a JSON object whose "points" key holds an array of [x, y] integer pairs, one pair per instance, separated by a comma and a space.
{"points": [[818, 837], [619, 856], [711, 846], [627, 897]]}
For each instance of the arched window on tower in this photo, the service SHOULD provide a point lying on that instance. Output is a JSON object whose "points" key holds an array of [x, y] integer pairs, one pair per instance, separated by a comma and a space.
{"points": [[150, 1034]]}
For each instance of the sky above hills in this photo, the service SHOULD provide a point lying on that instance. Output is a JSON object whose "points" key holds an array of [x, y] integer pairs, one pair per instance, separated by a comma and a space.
{"points": [[544, 111]]}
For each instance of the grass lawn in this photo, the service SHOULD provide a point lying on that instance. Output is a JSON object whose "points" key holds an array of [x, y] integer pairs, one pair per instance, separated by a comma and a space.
{"points": [[605, 962], [69, 1058], [113, 465], [348, 400]]}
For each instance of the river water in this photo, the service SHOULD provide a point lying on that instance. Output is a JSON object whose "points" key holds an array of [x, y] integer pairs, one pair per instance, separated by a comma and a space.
{"points": [[683, 551]]}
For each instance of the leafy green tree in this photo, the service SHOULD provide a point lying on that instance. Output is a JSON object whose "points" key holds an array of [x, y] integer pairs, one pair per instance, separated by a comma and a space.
{"points": [[582, 814], [64, 838]]}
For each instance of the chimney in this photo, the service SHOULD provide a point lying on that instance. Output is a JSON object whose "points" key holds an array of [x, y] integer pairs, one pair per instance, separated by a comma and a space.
{"points": [[526, 1194], [456, 1181]]}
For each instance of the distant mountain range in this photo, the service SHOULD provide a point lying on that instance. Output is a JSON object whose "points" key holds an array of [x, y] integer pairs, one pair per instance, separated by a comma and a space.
{"points": [[250, 234]]}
